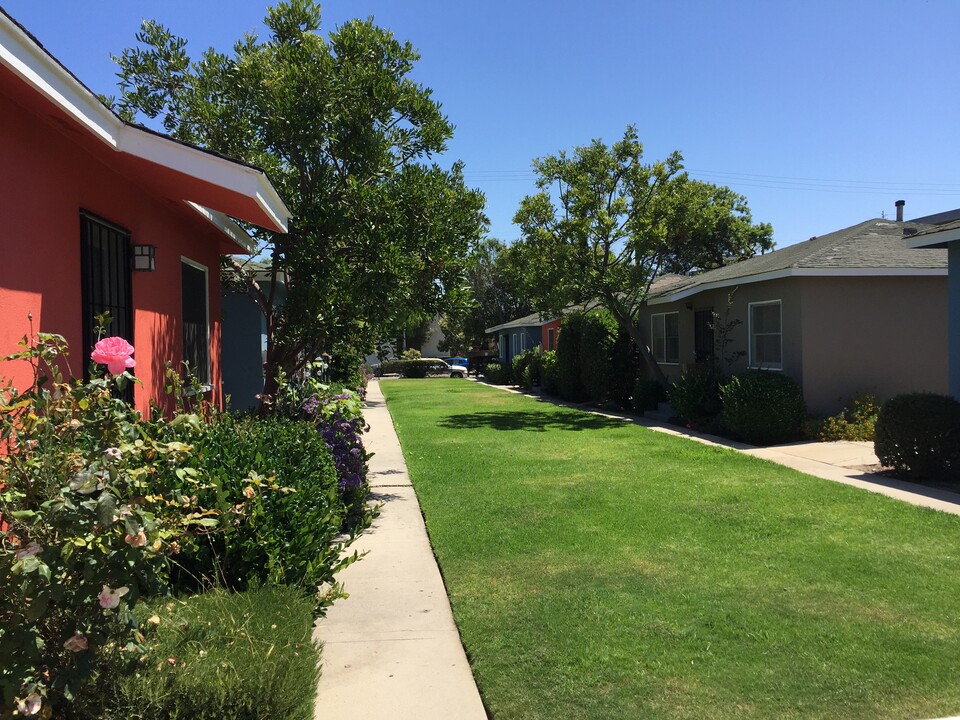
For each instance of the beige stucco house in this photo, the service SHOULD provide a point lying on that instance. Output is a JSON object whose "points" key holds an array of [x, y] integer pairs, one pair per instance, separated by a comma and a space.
{"points": [[856, 311]]}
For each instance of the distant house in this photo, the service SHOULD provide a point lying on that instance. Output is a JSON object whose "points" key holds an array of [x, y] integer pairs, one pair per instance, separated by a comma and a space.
{"points": [[100, 215], [947, 237], [526, 333], [856, 311]]}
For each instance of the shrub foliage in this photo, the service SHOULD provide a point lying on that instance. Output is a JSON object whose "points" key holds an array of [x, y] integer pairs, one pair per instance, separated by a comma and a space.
{"points": [[763, 407], [919, 435]]}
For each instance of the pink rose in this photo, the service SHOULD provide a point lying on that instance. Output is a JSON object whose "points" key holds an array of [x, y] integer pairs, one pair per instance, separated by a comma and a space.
{"points": [[30, 705], [76, 643], [110, 598], [114, 352], [138, 540]]}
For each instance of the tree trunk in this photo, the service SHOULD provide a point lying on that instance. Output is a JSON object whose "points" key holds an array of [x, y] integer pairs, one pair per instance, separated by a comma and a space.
{"points": [[636, 334]]}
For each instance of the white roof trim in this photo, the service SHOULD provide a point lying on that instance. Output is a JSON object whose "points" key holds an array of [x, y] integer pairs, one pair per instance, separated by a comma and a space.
{"points": [[227, 226], [797, 272], [37, 68], [935, 239]]}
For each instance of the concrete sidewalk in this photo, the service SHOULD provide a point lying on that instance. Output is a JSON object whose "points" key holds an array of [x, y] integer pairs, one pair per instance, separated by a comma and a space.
{"points": [[391, 649]]}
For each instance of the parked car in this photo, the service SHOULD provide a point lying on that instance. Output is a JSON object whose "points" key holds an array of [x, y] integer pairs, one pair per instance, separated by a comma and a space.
{"points": [[442, 367], [459, 361]]}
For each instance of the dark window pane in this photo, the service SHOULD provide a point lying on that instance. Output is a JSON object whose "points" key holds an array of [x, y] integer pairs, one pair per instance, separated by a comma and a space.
{"points": [[196, 340]]}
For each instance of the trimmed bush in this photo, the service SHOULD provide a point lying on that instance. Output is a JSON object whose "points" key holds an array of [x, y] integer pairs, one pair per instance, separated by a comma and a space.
{"points": [[595, 359], [247, 655], [283, 471], [550, 378], [763, 407], [695, 397], [497, 374], [569, 383], [919, 435], [648, 394]]}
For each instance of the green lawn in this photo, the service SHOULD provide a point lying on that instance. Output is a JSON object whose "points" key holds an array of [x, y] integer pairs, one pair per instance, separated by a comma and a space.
{"points": [[601, 570]]}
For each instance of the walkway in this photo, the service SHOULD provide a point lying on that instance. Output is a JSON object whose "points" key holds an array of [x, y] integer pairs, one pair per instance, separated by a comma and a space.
{"points": [[391, 649]]}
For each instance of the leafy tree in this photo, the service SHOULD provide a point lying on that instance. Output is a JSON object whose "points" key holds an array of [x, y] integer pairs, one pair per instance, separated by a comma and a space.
{"points": [[345, 135], [605, 224], [494, 279]]}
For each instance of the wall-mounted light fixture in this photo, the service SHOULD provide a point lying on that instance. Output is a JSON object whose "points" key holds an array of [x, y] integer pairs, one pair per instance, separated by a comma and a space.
{"points": [[144, 258]]}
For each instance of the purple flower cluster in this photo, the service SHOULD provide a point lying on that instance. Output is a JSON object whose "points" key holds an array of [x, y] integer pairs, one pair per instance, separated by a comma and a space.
{"points": [[342, 436]]}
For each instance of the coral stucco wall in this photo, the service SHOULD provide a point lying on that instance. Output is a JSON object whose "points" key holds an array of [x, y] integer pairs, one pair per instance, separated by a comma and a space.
{"points": [[49, 174]]}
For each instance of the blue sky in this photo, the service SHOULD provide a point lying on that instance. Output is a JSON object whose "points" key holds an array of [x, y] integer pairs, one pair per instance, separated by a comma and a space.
{"points": [[821, 113]]}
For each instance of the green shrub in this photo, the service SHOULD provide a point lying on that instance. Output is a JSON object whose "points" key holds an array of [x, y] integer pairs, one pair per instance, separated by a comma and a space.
{"points": [[648, 394], [695, 397], [518, 369], [415, 368], [569, 380], [763, 407], [550, 379], [527, 368], [857, 422], [281, 472], [919, 435], [246, 655], [497, 374], [595, 359]]}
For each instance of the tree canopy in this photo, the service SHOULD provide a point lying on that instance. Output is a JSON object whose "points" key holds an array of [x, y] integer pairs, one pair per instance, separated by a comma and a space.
{"points": [[378, 231], [605, 224], [494, 278]]}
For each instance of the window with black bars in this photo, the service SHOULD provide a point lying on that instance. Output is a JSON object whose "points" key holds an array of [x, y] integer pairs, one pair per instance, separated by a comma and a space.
{"points": [[105, 257], [196, 336]]}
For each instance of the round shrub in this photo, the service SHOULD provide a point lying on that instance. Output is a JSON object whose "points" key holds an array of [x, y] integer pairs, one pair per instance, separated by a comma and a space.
{"points": [[497, 374], [763, 407], [919, 435], [695, 397], [648, 394], [549, 373]]}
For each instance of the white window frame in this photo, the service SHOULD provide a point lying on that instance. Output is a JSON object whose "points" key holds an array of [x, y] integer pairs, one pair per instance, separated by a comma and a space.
{"points": [[752, 361], [206, 387], [653, 328], [551, 339]]}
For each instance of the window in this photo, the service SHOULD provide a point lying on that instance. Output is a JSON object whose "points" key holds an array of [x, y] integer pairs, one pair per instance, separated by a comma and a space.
{"points": [[766, 338], [105, 270], [703, 340], [665, 332], [551, 339], [196, 331]]}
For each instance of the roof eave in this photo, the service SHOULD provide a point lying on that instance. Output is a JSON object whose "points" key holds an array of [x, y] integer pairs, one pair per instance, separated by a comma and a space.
{"points": [[21, 53], [797, 272]]}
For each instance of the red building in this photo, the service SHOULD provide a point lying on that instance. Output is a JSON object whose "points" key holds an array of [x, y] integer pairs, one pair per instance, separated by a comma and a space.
{"points": [[85, 198]]}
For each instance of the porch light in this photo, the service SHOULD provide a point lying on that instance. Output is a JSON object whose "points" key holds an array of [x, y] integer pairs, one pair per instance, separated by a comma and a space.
{"points": [[144, 258]]}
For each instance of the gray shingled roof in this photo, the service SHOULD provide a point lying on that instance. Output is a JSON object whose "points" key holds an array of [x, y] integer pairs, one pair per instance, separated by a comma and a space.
{"points": [[532, 320], [876, 244]]}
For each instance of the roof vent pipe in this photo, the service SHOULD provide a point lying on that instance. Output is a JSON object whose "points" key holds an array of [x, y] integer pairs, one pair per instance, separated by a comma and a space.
{"points": [[900, 204]]}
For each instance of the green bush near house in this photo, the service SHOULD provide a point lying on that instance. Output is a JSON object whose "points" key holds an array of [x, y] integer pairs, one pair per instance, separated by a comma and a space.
{"points": [[648, 394], [248, 656], [695, 397], [497, 374], [763, 407], [595, 359], [919, 435], [550, 378], [856, 422], [283, 469]]}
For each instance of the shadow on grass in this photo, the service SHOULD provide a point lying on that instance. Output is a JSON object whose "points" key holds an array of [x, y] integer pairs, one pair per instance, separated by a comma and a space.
{"points": [[526, 420]]}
